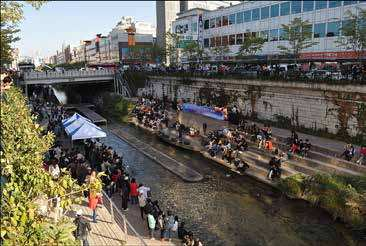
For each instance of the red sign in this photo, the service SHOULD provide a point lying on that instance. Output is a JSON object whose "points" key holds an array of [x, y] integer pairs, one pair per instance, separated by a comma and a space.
{"points": [[331, 55]]}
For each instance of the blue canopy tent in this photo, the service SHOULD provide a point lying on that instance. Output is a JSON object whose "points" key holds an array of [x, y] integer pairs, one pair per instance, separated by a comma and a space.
{"points": [[74, 117], [79, 127]]}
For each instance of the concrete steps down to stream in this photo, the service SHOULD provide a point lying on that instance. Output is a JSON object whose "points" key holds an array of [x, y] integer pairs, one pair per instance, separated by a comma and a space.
{"points": [[320, 160]]}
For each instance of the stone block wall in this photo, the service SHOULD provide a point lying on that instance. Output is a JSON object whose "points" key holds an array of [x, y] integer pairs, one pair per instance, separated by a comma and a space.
{"points": [[336, 108]]}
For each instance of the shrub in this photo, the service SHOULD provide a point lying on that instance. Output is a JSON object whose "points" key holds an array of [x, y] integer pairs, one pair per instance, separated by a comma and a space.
{"points": [[342, 196], [115, 106], [23, 179]]}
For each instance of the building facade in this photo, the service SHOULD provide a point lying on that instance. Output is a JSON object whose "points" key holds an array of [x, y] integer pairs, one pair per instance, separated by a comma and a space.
{"points": [[231, 25], [108, 49], [166, 13]]}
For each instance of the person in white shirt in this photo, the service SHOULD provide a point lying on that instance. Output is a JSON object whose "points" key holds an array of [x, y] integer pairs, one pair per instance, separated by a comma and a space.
{"points": [[54, 170], [143, 189]]}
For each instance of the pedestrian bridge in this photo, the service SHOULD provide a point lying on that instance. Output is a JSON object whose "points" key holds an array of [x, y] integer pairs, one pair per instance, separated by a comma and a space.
{"points": [[68, 77]]}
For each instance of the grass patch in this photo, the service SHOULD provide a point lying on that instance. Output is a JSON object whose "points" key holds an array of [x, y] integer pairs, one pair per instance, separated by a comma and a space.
{"points": [[344, 197]]}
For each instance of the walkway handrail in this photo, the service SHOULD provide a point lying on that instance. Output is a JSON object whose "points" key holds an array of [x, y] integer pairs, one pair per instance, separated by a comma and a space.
{"points": [[125, 221]]}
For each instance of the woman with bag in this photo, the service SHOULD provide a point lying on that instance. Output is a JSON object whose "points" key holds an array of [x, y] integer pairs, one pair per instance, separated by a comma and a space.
{"points": [[95, 196]]}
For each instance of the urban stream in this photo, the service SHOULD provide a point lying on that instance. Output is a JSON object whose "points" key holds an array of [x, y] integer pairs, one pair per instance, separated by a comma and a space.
{"points": [[226, 209]]}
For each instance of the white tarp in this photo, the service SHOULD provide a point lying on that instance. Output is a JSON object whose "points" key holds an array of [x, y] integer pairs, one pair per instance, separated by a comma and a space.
{"points": [[79, 127]]}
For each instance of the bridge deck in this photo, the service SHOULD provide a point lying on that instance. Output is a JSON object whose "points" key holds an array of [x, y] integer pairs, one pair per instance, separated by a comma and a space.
{"points": [[91, 115]]}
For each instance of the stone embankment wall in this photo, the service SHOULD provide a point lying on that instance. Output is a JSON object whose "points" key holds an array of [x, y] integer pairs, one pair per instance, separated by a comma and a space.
{"points": [[337, 108]]}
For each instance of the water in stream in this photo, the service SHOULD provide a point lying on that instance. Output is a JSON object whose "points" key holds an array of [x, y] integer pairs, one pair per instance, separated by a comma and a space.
{"points": [[227, 209]]}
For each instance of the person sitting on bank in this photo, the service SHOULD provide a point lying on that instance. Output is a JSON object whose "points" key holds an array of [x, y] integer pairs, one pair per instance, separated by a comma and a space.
{"points": [[349, 152]]}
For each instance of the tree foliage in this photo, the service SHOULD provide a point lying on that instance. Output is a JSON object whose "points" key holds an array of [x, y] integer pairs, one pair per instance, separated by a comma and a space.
{"points": [[220, 51], [172, 42], [250, 46], [194, 52], [354, 32], [11, 16], [24, 181], [299, 36]]}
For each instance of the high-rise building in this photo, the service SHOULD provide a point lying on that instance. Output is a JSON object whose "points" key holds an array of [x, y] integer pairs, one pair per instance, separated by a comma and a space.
{"points": [[166, 13]]}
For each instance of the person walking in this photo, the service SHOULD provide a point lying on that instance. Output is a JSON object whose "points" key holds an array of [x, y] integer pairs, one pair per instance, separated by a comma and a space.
{"points": [[133, 191], [169, 224], [142, 204], [125, 189], [204, 126], [152, 223], [93, 197], [82, 228], [161, 225]]}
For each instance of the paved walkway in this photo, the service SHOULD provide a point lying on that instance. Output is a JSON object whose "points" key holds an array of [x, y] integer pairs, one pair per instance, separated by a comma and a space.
{"points": [[104, 232], [330, 144]]}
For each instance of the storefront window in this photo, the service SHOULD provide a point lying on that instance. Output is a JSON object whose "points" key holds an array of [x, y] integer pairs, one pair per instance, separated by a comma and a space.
{"points": [[232, 39], [225, 40], [275, 10], [333, 4], [282, 34], [247, 16], [308, 6], [212, 23], [206, 24], [333, 28], [232, 19], [255, 14], [194, 27], [320, 4], [295, 7], [285, 8], [218, 21], [212, 42], [349, 2], [218, 41], [319, 30], [224, 21], [273, 35], [264, 13], [264, 35], [206, 42], [239, 38], [239, 18]]}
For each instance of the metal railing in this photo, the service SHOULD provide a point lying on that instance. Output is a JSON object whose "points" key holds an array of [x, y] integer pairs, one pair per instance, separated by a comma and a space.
{"points": [[67, 74], [120, 219]]}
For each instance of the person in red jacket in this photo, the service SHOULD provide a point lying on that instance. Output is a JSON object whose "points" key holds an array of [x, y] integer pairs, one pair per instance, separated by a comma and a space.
{"points": [[133, 191], [362, 160]]}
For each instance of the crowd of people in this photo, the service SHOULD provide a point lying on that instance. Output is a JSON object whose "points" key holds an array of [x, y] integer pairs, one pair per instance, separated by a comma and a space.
{"points": [[90, 157], [228, 144], [151, 113]]}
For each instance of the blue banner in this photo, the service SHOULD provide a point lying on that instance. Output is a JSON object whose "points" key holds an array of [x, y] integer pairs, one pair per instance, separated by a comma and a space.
{"points": [[203, 110]]}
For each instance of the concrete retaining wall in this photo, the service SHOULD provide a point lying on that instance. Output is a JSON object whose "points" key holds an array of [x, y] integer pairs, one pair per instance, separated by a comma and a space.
{"points": [[318, 106]]}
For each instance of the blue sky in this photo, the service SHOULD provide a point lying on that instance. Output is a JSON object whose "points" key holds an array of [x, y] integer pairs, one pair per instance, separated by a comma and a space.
{"points": [[45, 30]]}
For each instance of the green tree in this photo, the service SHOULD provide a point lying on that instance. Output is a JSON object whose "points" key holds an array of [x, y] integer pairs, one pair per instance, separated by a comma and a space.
{"points": [[172, 51], [194, 52], [157, 53], [24, 181], [299, 36], [220, 51], [250, 46], [11, 16], [354, 32]]}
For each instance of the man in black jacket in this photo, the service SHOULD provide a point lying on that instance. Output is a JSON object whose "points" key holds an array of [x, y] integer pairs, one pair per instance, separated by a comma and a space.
{"points": [[125, 192], [82, 228]]}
